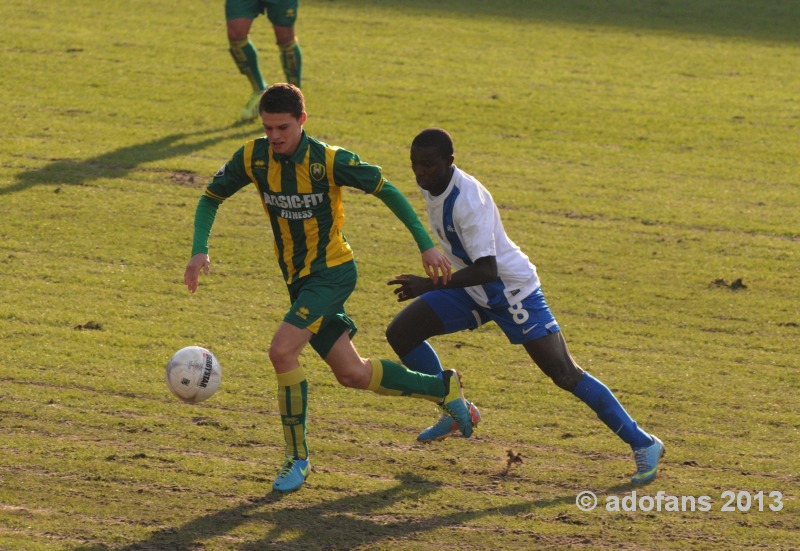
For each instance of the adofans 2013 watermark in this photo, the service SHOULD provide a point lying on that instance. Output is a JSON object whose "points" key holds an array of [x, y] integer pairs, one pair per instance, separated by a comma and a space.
{"points": [[741, 501]]}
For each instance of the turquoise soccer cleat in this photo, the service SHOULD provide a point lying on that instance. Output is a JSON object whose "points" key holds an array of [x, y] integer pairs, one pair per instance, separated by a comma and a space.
{"points": [[292, 475], [454, 403], [446, 425], [647, 461]]}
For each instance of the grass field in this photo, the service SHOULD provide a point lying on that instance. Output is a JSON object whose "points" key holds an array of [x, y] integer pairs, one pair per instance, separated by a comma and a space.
{"points": [[644, 154]]}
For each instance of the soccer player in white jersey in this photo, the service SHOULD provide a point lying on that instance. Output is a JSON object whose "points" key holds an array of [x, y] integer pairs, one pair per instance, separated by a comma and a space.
{"points": [[493, 280]]}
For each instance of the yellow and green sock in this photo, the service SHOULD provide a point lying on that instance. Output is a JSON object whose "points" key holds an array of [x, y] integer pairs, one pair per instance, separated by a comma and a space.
{"points": [[293, 407], [292, 62], [392, 379], [245, 56]]}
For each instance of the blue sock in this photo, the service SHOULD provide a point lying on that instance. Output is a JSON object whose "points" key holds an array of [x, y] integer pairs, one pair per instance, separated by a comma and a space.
{"points": [[423, 359], [597, 396]]}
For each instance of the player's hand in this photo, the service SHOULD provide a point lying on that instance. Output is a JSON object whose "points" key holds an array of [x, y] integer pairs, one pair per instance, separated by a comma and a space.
{"points": [[410, 286], [191, 276], [434, 261]]}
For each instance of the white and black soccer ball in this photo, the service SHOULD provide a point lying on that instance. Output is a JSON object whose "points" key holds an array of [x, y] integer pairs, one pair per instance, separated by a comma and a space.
{"points": [[193, 374]]}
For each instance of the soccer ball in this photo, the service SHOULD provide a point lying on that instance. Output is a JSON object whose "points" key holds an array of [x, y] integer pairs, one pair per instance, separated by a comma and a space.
{"points": [[193, 374]]}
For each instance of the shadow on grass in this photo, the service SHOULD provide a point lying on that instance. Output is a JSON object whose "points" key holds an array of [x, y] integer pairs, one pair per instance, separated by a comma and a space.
{"points": [[778, 20], [332, 525], [121, 162]]}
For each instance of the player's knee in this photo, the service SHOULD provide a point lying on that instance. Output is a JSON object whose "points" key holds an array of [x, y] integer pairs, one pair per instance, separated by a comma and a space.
{"points": [[281, 358], [238, 29], [393, 336], [567, 378], [352, 379], [346, 380], [284, 36], [389, 333]]}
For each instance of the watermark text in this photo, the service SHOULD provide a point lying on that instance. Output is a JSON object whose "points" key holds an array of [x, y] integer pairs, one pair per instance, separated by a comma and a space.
{"points": [[728, 501]]}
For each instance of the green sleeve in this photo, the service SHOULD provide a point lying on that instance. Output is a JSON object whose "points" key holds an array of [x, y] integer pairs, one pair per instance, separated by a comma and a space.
{"points": [[230, 178], [203, 221], [401, 208], [351, 171]]}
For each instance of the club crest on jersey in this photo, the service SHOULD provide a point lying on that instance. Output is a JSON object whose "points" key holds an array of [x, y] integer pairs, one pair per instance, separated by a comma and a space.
{"points": [[317, 171]]}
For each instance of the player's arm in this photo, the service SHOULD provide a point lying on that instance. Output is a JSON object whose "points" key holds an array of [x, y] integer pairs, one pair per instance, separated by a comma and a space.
{"points": [[474, 217], [349, 170], [227, 181], [433, 260], [483, 270], [204, 216]]}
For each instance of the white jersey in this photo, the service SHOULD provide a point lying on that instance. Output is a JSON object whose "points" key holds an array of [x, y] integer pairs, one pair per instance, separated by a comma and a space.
{"points": [[467, 224]]}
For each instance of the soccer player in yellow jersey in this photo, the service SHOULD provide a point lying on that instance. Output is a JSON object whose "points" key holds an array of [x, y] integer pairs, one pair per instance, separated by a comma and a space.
{"points": [[239, 16], [299, 180]]}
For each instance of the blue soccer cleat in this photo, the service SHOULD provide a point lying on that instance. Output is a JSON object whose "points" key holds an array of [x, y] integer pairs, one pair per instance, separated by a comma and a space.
{"points": [[292, 475], [647, 461], [454, 403], [446, 426]]}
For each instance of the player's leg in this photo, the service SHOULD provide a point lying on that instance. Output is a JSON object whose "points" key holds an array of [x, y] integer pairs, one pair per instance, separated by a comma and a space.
{"points": [[422, 319], [283, 14], [314, 298], [284, 353], [291, 55], [408, 332], [244, 53], [550, 353], [381, 376], [388, 378], [239, 16], [326, 295], [548, 349]]}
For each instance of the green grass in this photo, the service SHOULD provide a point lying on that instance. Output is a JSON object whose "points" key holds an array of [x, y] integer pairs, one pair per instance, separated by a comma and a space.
{"points": [[639, 151]]}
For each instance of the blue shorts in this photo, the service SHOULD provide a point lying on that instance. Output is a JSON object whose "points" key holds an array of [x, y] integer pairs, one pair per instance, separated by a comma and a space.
{"points": [[526, 321]]}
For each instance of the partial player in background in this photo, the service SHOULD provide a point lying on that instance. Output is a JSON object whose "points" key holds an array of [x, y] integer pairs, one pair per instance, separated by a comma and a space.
{"points": [[239, 15], [299, 181], [493, 281]]}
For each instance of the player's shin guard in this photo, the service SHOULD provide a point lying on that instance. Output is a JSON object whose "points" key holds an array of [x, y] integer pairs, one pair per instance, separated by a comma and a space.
{"points": [[597, 396], [293, 406], [423, 359], [391, 379], [245, 56], [292, 62]]}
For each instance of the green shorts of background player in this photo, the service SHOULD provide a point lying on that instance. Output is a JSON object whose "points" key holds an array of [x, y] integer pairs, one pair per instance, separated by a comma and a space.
{"points": [[282, 14]]}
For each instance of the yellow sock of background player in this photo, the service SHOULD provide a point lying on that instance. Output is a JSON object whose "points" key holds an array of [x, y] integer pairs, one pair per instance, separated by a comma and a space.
{"points": [[292, 62]]}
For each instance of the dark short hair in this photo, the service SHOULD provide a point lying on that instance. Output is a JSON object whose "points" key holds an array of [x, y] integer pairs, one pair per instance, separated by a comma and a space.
{"points": [[437, 138], [283, 98]]}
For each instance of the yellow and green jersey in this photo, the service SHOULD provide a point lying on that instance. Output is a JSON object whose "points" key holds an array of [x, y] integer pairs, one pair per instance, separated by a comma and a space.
{"points": [[302, 196]]}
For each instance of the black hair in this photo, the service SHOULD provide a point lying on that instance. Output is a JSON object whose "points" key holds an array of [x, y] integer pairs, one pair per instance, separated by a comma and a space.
{"points": [[437, 138]]}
